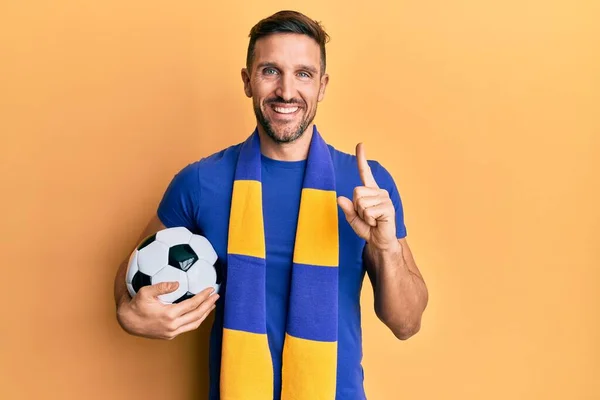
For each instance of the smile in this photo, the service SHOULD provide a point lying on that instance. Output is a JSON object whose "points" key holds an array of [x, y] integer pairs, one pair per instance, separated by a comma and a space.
{"points": [[286, 110]]}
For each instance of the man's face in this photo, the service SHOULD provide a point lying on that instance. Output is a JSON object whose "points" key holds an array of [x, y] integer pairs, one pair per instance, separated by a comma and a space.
{"points": [[285, 84]]}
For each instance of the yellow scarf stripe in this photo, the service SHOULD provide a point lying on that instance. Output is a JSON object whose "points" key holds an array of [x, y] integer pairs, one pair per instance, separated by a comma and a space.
{"points": [[309, 364], [246, 365], [246, 235], [317, 234], [247, 369], [309, 369]]}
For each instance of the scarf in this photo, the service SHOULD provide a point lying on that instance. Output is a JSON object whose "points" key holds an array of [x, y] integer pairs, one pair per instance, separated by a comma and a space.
{"points": [[309, 358]]}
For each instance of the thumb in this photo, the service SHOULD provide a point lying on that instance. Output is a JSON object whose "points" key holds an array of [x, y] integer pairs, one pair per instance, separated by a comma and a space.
{"points": [[347, 207], [359, 226], [162, 288]]}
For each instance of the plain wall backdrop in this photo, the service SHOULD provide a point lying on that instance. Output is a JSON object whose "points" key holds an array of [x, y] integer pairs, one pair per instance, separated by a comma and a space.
{"points": [[485, 113]]}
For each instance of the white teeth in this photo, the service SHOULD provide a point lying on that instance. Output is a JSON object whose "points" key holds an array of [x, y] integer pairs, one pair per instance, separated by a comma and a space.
{"points": [[285, 110]]}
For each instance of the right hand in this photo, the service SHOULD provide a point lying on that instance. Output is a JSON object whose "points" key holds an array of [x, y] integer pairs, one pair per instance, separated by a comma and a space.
{"points": [[145, 315]]}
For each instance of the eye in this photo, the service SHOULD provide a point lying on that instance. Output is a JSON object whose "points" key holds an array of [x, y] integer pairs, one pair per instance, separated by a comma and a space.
{"points": [[269, 71], [303, 74]]}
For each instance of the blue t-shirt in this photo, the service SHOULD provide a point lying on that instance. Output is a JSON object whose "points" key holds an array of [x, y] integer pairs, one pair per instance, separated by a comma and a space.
{"points": [[199, 198]]}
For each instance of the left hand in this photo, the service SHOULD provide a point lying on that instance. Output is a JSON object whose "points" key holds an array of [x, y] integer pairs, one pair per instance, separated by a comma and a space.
{"points": [[371, 212]]}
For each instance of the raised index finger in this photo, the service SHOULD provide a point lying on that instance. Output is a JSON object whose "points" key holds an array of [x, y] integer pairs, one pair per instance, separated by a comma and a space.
{"points": [[366, 176]]}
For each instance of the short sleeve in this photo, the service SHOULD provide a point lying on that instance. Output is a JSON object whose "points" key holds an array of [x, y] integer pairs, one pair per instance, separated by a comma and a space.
{"points": [[179, 204], [385, 181]]}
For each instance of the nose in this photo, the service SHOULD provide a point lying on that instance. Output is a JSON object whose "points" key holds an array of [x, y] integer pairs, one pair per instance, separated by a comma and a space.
{"points": [[285, 89]]}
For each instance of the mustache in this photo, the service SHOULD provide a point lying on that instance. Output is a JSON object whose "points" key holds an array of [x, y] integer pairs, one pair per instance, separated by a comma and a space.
{"points": [[279, 100]]}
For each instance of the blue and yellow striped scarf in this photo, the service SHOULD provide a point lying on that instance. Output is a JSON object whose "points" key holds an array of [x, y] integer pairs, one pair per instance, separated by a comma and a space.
{"points": [[310, 347]]}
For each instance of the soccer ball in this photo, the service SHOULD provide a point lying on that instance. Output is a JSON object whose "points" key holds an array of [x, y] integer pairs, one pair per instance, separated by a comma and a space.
{"points": [[174, 254]]}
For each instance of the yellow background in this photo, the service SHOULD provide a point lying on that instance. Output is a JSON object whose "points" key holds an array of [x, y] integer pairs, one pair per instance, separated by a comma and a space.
{"points": [[485, 112]]}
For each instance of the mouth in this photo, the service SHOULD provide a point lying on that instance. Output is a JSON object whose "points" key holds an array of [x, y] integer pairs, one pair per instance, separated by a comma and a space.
{"points": [[287, 110]]}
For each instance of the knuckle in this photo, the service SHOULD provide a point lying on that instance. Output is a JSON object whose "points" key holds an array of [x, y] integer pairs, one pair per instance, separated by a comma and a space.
{"points": [[171, 328], [206, 309], [197, 303], [201, 297], [203, 309], [170, 316]]}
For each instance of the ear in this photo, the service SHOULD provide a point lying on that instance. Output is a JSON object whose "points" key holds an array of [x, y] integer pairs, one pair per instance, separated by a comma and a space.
{"points": [[323, 86], [246, 80]]}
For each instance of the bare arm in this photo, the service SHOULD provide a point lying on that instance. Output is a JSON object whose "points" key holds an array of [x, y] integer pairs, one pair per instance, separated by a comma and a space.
{"points": [[145, 315], [400, 292], [120, 289]]}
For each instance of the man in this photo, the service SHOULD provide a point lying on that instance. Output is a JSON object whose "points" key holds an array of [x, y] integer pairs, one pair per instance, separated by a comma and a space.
{"points": [[295, 223]]}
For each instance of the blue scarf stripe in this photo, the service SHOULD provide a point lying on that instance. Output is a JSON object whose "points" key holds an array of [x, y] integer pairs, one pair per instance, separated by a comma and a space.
{"points": [[245, 303], [310, 349], [312, 303], [319, 172], [249, 164]]}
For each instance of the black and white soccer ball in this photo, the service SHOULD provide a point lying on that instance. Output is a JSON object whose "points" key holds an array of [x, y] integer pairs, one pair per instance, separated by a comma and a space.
{"points": [[174, 254]]}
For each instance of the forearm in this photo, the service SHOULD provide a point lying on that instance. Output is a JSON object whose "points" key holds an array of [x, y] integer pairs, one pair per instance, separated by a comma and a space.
{"points": [[122, 298], [400, 292], [120, 289]]}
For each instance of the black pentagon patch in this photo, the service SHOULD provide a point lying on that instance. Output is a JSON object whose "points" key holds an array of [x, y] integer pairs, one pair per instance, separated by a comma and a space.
{"points": [[182, 256], [140, 280], [186, 296], [147, 241]]}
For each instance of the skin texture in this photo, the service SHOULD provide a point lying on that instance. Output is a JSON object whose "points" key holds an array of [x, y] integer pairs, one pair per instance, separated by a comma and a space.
{"points": [[285, 76], [146, 316], [399, 289], [285, 72]]}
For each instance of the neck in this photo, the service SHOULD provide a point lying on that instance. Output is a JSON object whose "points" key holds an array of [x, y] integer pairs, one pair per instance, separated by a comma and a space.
{"points": [[293, 151]]}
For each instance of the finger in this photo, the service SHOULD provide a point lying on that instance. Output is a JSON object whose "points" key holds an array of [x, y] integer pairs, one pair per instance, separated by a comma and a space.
{"points": [[363, 191], [197, 313], [194, 302], [194, 324], [366, 176], [158, 289], [362, 203], [369, 218], [347, 207], [357, 224], [380, 213]]}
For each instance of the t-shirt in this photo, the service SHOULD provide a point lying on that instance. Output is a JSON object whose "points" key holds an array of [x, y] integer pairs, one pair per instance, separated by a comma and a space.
{"points": [[199, 198]]}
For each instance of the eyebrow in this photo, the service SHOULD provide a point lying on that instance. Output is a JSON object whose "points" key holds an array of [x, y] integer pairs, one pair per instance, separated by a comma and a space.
{"points": [[305, 67]]}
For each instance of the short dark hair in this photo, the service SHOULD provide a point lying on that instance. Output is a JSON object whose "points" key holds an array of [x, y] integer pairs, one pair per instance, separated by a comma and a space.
{"points": [[287, 21]]}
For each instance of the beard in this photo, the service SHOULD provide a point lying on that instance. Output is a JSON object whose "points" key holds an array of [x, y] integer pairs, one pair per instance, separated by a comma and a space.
{"points": [[289, 133]]}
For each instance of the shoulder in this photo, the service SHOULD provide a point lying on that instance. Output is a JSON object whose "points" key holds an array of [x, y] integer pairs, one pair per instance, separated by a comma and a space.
{"points": [[216, 164], [224, 158]]}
